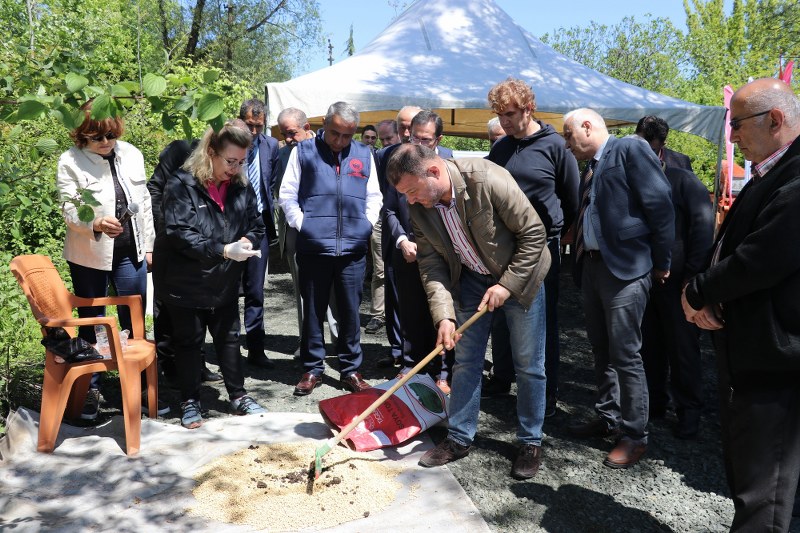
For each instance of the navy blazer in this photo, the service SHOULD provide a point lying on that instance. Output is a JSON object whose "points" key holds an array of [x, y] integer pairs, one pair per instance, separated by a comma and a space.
{"points": [[268, 160], [633, 209], [676, 159]]}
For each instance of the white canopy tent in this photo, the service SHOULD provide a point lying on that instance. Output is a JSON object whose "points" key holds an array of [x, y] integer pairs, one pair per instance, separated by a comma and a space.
{"points": [[446, 54]]}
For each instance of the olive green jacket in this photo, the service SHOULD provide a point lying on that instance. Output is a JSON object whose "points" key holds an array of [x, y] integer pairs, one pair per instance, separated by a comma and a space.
{"points": [[502, 227]]}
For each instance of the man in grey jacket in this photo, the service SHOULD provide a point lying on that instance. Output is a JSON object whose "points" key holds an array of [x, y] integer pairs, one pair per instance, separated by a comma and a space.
{"points": [[479, 243]]}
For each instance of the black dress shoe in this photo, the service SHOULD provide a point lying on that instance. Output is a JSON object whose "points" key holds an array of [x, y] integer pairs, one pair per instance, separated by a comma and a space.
{"points": [[209, 376], [260, 360], [388, 362], [307, 384], [595, 428], [495, 386], [527, 462], [688, 424], [354, 382]]}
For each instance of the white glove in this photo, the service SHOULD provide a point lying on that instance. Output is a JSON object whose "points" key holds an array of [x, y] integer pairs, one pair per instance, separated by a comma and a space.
{"points": [[240, 251]]}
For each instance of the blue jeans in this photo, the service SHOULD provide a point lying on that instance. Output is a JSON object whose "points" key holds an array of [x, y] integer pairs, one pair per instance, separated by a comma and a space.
{"points": [[503, 368], [127, 276], [527, 349]]}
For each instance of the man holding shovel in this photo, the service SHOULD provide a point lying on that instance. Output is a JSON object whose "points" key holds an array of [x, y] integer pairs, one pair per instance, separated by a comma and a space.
{"points": [[479, 243]]}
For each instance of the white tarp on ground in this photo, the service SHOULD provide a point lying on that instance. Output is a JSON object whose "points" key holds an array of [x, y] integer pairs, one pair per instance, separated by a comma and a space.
{"points": [[89, 484], [446, 55]]}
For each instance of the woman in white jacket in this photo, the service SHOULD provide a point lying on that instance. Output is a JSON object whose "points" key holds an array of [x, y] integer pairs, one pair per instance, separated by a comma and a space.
{"points": [[104, 251]]}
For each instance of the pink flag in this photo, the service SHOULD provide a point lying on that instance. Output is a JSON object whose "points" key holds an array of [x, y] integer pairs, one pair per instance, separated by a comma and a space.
{"points": [[786, 74], [728, 192]]}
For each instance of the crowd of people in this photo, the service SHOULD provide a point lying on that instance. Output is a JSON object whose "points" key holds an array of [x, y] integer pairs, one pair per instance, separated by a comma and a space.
{"points": [[448, 237]]}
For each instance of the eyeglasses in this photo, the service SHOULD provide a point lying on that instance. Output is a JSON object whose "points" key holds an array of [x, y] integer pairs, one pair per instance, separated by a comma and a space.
{"points": [[233, 163], [736, 123], [100, 138], [424, 142]]}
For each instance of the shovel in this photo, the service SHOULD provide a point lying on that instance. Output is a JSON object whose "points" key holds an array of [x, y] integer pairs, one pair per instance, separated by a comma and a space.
{"points": [[330, 443]]}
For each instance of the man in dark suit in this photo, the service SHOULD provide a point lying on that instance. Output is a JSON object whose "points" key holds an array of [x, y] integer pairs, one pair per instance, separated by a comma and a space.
{"points": [[670, 344], [654, 130], [426, 129], [416, 324], [623, 239], [402, 134], [261, 162], [749, 296]]}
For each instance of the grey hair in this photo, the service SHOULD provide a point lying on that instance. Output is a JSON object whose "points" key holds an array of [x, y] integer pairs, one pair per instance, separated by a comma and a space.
{"points": [[344, 111], [254, 106], [771, 98], [577, 116], [492, 124], [292, 113]]}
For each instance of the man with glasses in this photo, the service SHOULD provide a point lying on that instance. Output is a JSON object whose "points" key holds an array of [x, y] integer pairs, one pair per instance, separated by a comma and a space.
{"points": [[259, 168], [426, 129], [369, 136], [330, 195], [402, 134], [749, 297], [295, 128]]}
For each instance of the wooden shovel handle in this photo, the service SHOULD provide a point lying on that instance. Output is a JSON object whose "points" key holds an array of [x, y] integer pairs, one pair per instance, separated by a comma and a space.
{"points": [[402, 381]]}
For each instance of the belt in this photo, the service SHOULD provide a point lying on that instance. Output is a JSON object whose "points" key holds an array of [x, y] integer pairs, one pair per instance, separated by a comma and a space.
{"points": [[593, 254]]}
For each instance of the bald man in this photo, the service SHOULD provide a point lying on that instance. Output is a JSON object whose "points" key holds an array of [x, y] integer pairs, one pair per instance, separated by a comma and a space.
{"points": [[623, 240], [749, 296]]}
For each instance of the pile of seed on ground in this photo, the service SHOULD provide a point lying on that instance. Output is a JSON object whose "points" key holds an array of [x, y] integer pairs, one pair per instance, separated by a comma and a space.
{"points": [[271, 487]]}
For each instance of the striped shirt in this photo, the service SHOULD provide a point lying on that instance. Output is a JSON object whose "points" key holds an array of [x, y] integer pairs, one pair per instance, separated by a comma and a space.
{"points": [[767, 164], [466, 253]]}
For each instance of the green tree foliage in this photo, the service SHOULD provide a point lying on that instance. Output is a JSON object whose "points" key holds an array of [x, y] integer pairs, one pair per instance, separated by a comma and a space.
{"points": [[253, 40], [57, 54], [630, 51]]}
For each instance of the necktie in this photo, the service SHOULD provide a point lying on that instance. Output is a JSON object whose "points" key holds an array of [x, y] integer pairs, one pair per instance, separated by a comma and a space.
{"points": [[254, 175], [586, 184]]}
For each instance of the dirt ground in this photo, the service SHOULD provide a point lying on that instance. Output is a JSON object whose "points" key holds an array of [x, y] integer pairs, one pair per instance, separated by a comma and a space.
{"points": [[679, 486]]}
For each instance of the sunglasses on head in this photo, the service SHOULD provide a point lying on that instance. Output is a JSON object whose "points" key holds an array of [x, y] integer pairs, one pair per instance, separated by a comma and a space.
{"points": [[100, 138]]}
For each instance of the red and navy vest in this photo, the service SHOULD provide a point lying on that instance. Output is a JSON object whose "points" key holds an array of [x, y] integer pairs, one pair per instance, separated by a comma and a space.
{"points": [[333, 198]]}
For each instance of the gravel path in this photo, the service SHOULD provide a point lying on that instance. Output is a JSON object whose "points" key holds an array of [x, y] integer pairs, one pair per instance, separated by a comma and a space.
{"points": [[678, 486]]}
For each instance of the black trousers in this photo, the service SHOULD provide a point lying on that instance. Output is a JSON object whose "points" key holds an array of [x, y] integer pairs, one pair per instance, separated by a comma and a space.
{"points": [[188, 335], [416, 323], [671, 352], [253, 277], [761, 449], [394, 330]]}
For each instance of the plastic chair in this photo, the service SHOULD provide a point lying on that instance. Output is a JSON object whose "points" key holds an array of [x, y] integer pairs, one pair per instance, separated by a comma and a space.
{"points": [[65, 385]]}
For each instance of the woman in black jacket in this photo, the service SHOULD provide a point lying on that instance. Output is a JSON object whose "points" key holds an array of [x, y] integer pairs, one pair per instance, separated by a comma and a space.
{"points": [[210, 224]]}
